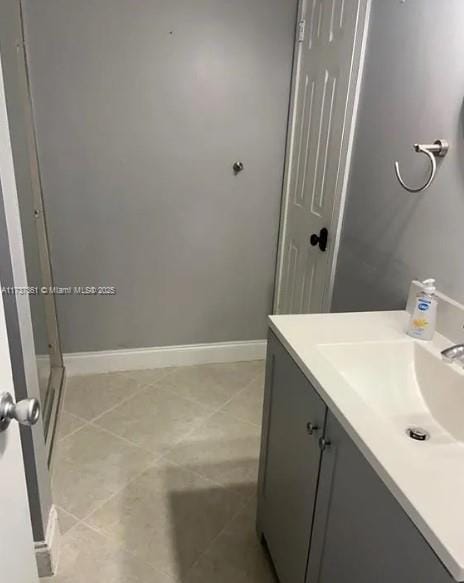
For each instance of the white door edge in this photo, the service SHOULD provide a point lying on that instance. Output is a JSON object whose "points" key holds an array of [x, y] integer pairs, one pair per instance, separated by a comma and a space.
{"points": [[288, 157]]}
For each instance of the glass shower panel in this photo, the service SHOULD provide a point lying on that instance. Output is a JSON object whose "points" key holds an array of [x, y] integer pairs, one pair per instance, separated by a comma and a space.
{"points": [[33, 224], [39, 322]]}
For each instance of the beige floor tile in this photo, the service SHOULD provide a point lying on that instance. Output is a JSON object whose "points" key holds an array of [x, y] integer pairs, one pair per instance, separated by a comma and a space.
{"points": [[155, 419], [65, 520], [223, 449], [88, 557], [148, 376], [68, 423], [236, 556], [248, 404], [168, 516], [212, 384], [91, 395], [91, 465]]}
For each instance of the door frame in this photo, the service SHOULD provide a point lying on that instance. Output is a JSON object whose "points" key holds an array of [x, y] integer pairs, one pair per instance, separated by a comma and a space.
{"points": [[353, 98]]}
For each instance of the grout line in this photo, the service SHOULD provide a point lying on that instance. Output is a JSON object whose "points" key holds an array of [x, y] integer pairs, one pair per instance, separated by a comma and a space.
{"points": [[93, 419], [236, 395], [207, 418], [73, 527], [208, 414], [84, 423], [198, 402], [143, 386], [122, 438], [169, 370], [135, 477], [104, 534], [67, 512], [215, 538], [193, 472], [78, 417], [122, 402], [244, 388], [76, 518]]}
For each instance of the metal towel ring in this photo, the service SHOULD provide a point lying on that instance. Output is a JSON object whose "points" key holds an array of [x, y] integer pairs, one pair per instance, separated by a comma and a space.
{"points": [[438, 149]]}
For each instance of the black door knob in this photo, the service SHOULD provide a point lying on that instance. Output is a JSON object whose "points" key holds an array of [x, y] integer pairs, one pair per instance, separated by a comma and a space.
{"points": [[320, 239]]}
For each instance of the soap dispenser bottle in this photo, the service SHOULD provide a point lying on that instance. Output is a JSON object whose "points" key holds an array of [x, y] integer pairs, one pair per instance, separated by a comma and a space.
{"points": [[424, 317]]}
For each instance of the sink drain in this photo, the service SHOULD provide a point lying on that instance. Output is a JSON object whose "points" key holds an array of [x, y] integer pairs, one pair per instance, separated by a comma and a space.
{"points": [[418, 433]]}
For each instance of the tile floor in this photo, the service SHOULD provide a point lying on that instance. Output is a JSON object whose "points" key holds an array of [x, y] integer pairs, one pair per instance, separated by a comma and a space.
{"points": [[155, 476]]}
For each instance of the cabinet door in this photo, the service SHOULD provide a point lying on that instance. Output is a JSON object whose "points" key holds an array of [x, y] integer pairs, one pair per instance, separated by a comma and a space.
{"points": [[361, 534], [289, 466]]}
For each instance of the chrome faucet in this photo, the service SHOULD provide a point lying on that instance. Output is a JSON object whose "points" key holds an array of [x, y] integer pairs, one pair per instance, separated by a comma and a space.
{"points": [[453, 353]]}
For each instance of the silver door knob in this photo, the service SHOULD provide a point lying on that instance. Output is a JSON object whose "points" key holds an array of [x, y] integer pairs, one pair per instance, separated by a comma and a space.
{"points": [[26, 412]]}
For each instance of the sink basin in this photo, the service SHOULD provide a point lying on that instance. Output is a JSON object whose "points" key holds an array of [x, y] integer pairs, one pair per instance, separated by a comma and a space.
{"points": [[405, 381]]}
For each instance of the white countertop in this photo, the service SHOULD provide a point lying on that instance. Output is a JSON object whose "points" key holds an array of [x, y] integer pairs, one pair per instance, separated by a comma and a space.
{"points": [[427, 478]]}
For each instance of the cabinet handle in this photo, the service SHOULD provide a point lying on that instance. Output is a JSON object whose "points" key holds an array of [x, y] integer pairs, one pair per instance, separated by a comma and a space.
{"points": [[311, 428], [324, 443]]}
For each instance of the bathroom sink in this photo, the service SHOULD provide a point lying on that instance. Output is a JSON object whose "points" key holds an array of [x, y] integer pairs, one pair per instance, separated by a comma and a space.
{"points": [[405, 381]]}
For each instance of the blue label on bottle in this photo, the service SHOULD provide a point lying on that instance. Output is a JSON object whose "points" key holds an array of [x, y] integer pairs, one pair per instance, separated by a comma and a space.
{"points": [[423, 306]]}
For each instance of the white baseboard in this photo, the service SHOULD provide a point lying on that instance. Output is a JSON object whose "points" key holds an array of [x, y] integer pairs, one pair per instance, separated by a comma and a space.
{"points": [[79, 363], [47, 552]]}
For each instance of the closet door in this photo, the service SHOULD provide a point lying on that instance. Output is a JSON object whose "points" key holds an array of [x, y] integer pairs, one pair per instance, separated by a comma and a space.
{"points": [[326, 76]]}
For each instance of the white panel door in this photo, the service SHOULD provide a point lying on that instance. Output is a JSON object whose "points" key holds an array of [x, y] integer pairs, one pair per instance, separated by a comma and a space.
{"points": [[324, 102], [17, 560]]}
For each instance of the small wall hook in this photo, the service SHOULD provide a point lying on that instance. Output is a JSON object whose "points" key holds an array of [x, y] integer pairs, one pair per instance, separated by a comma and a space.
{"points": [[237, 167], [438, 149]]}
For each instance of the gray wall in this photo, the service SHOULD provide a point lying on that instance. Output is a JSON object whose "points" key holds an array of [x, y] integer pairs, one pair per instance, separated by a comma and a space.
{"points": [[141, 107], [413, 91]]}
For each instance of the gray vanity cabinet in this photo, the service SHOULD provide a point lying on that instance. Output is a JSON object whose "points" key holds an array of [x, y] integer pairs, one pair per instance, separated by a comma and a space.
{"points": [[361, 534], [293, 421], [324, 513]]}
